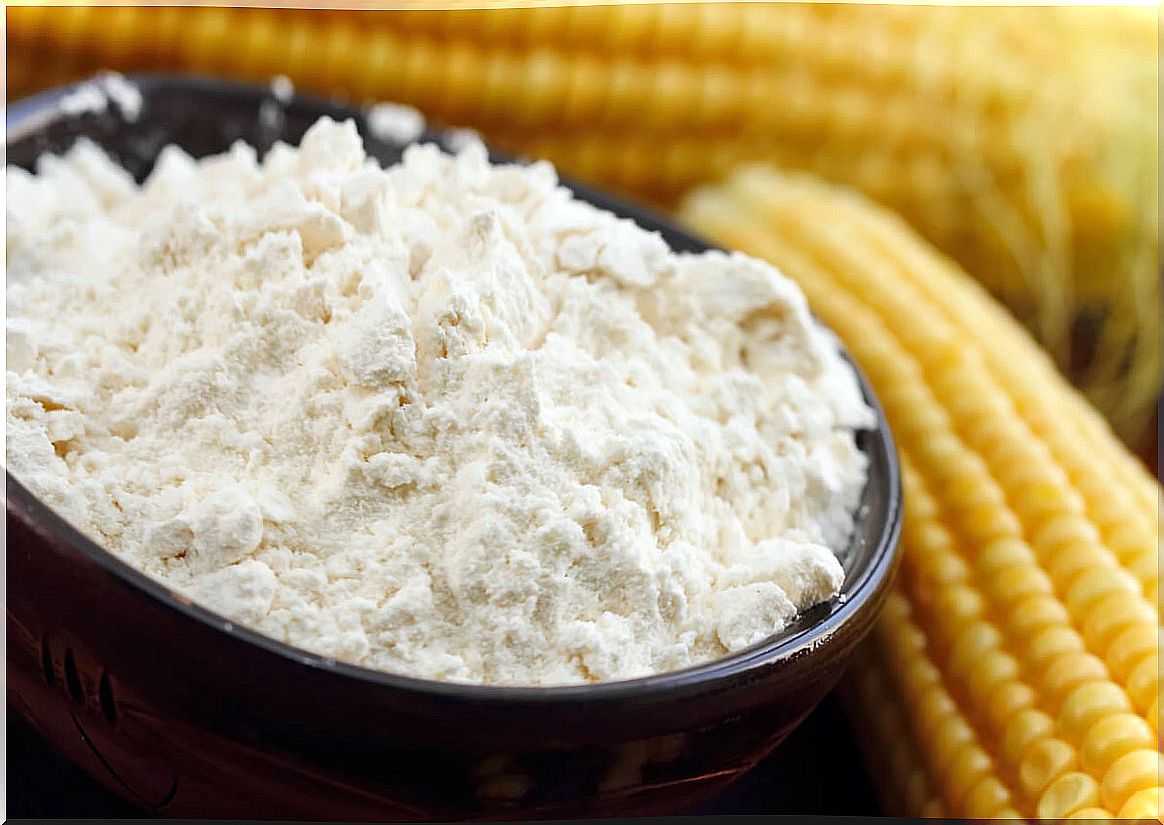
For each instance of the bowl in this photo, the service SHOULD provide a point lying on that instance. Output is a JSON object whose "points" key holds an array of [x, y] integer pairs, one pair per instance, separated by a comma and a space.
{"points": [[183, 713]]}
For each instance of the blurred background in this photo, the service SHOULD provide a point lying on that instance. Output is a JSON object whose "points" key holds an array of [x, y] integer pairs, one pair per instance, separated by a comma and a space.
{"points": [[1023, 142], [1020, 142]]}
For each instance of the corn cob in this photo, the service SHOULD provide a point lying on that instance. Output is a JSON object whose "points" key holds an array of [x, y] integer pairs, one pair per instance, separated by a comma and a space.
{"points": [[1019, 653], [1022, 141]]}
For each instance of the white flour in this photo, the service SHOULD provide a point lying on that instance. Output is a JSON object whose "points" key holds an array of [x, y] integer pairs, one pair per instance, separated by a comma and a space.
{"points": [[438, 419], [282, 88], [394, 122], [96, 95]]}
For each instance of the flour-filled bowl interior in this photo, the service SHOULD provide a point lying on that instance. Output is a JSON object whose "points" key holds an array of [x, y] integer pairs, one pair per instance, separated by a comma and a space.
{"points": [[395, 478]]}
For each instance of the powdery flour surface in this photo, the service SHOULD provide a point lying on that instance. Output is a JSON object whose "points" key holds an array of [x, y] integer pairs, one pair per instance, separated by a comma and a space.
{"points": [[440, 419]]}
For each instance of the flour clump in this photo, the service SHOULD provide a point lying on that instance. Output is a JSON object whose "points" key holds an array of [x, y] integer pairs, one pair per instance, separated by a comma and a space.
{"points": [[440, 419]]}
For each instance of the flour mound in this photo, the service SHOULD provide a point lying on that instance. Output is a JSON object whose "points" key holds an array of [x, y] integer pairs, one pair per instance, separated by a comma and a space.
{"points": [[439, 419]]}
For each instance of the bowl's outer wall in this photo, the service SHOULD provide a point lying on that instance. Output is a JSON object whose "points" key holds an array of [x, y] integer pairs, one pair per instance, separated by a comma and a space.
{"points": [[184, 715]]}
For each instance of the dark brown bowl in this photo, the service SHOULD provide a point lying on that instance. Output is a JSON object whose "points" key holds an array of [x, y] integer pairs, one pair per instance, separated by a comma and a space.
{"points": [[185, 714]]}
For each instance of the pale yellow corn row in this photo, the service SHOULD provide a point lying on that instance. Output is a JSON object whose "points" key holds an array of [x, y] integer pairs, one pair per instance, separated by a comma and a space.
{"points": [[1022, 141], [905, 781], [1020, 651]]}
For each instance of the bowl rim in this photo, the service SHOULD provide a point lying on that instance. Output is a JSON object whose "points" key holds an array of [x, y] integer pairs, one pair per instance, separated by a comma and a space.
{"points": [[29, 114]]}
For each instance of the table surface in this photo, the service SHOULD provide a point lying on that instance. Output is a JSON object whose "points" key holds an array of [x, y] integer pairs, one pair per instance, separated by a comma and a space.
{"points": [[818, 770]]}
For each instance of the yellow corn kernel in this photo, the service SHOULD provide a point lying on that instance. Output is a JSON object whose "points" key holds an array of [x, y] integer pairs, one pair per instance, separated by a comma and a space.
{"points": [[951, 738], [1091, 815], [1004, 552], [1046, 622], [1052, 643], [1070, 670], [988, 799], [1043, 763], [1088, 703], [1068, 794], [1019, 582], [1111, 737], [1024, 729], [1114, 612], [1094, 584], [970, 646], [995, 669], [1007, 700], [1144, 682], [1130, 646], [1135, 771], [959, 604], [970, 767], [1070, 561], [1053, 538], [1143, 804]]}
